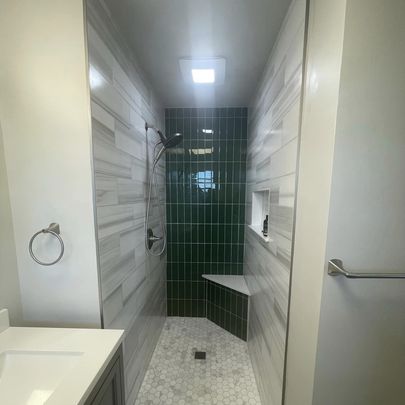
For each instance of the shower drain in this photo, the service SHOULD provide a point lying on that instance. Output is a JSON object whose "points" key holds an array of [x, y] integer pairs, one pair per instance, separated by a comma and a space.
{"points": [[200, 355]]}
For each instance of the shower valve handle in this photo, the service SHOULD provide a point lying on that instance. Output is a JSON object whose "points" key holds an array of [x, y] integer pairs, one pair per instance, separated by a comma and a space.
{"points": [[151, 238], [154, 238]]}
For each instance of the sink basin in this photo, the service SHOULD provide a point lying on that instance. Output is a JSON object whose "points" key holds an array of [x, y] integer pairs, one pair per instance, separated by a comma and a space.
{"points": [[30, 377]]}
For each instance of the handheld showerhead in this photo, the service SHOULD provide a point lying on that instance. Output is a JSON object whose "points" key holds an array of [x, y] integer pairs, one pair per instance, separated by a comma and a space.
{"points": [[173, 141], [162, 137], [167, 143]]}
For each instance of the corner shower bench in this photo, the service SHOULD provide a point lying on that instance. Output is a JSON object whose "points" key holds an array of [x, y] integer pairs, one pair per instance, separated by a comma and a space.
{"points": [[227, 298]]}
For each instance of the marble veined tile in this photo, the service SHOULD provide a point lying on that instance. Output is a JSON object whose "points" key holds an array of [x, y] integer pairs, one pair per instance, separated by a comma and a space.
{"points": [[272, 160], [132, 283], [109, 252], [106, 190], [127, 141], [114, 218], [130, 191]]}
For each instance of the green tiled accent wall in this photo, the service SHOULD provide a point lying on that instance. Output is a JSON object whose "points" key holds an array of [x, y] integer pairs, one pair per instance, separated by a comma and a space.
{"points": [[228, 309], [205, 185]]}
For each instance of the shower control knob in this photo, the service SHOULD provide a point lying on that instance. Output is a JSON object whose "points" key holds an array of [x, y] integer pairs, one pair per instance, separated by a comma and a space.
{"points": [[152, 238]]}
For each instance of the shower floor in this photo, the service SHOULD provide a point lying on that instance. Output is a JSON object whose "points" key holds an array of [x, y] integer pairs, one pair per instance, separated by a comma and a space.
{"points": [[175, 377]]}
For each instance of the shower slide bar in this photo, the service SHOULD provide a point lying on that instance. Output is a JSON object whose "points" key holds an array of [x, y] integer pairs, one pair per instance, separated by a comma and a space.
{"points": [[335, 268]]}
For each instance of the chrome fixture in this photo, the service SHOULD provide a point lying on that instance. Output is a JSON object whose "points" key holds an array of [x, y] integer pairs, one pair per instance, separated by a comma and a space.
{"points": [[166, 143], [335, 268], [54, 230]]}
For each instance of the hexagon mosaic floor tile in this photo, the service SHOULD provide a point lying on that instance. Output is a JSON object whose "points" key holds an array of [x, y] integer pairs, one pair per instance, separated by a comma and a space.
{"points": [[175, 377]]}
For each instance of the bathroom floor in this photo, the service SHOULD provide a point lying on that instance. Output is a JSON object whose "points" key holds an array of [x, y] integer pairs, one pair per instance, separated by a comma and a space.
{"points": [[176, 377]]}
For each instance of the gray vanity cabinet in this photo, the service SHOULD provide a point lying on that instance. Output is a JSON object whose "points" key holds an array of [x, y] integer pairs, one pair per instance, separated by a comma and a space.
{"points": [[109, 390]]}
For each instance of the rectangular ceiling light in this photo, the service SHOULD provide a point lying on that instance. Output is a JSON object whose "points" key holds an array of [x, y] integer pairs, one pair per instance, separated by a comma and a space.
{"points": [[203, 75], [203, 71]]}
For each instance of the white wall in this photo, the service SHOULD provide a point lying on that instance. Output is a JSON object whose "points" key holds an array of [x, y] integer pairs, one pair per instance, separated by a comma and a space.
{"points": [[9, 285], [361, 349], [346, 338], [45, 116]]}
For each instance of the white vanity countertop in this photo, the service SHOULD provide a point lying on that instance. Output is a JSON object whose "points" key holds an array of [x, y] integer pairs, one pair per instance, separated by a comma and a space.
{"points": [[93, 349]]}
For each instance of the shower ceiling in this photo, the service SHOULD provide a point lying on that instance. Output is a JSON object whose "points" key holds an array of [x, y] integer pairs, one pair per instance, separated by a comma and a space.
{"points": [[160, 32]]}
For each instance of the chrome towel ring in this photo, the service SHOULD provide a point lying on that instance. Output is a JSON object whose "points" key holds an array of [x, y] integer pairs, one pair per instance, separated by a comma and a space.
{"points": [[53, 229]]}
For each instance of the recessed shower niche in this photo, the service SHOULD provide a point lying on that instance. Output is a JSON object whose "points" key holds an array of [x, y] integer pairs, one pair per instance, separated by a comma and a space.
{"points": [[260, 211]]}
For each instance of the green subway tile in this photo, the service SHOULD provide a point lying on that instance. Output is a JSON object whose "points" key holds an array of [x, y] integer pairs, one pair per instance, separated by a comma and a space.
{"points": [[187, 253], [174, 308], [180, 271], [245, 308], [239, 269], [213, 267], [194, 308], [169, 307], [188, 269], [230, 128], [241, 233], [239, 304], [223, 294], [228, 320], [205, 238], [201, 252], [228, 302], [234, 253], [173, 256], [228, 213], [201, 308], [175, 290], [180, 213], [244, 330], [180, 308], [235, 214], [194, 252], [187, 213], [234, 234], [194, 271], [169, 290], [240, 255], [227, 253], [183, 289], [169, 271], [239, 327], [201, 269], [174, 271], [188, 305], [233, 326]]}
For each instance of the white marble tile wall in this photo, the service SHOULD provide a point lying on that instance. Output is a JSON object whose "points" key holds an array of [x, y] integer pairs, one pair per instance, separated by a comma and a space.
{"points": [[271, 165], [133, 284]]}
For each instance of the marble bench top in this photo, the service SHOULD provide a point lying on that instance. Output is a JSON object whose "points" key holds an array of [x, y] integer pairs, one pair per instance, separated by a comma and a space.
{"points": [[237, 283]]}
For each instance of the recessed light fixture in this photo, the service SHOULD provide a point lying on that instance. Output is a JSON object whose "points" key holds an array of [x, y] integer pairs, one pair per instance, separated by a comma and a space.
{"points": [[96, 78], [203, 75], [203, 71]]}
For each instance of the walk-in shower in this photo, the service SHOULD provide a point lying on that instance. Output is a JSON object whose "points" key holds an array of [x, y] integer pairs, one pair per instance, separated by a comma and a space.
{"points": [[165, 143]]}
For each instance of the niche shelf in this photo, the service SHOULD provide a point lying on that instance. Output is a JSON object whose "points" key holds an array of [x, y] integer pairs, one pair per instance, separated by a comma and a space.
{"points": [[260, 208], [258, 230]]}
